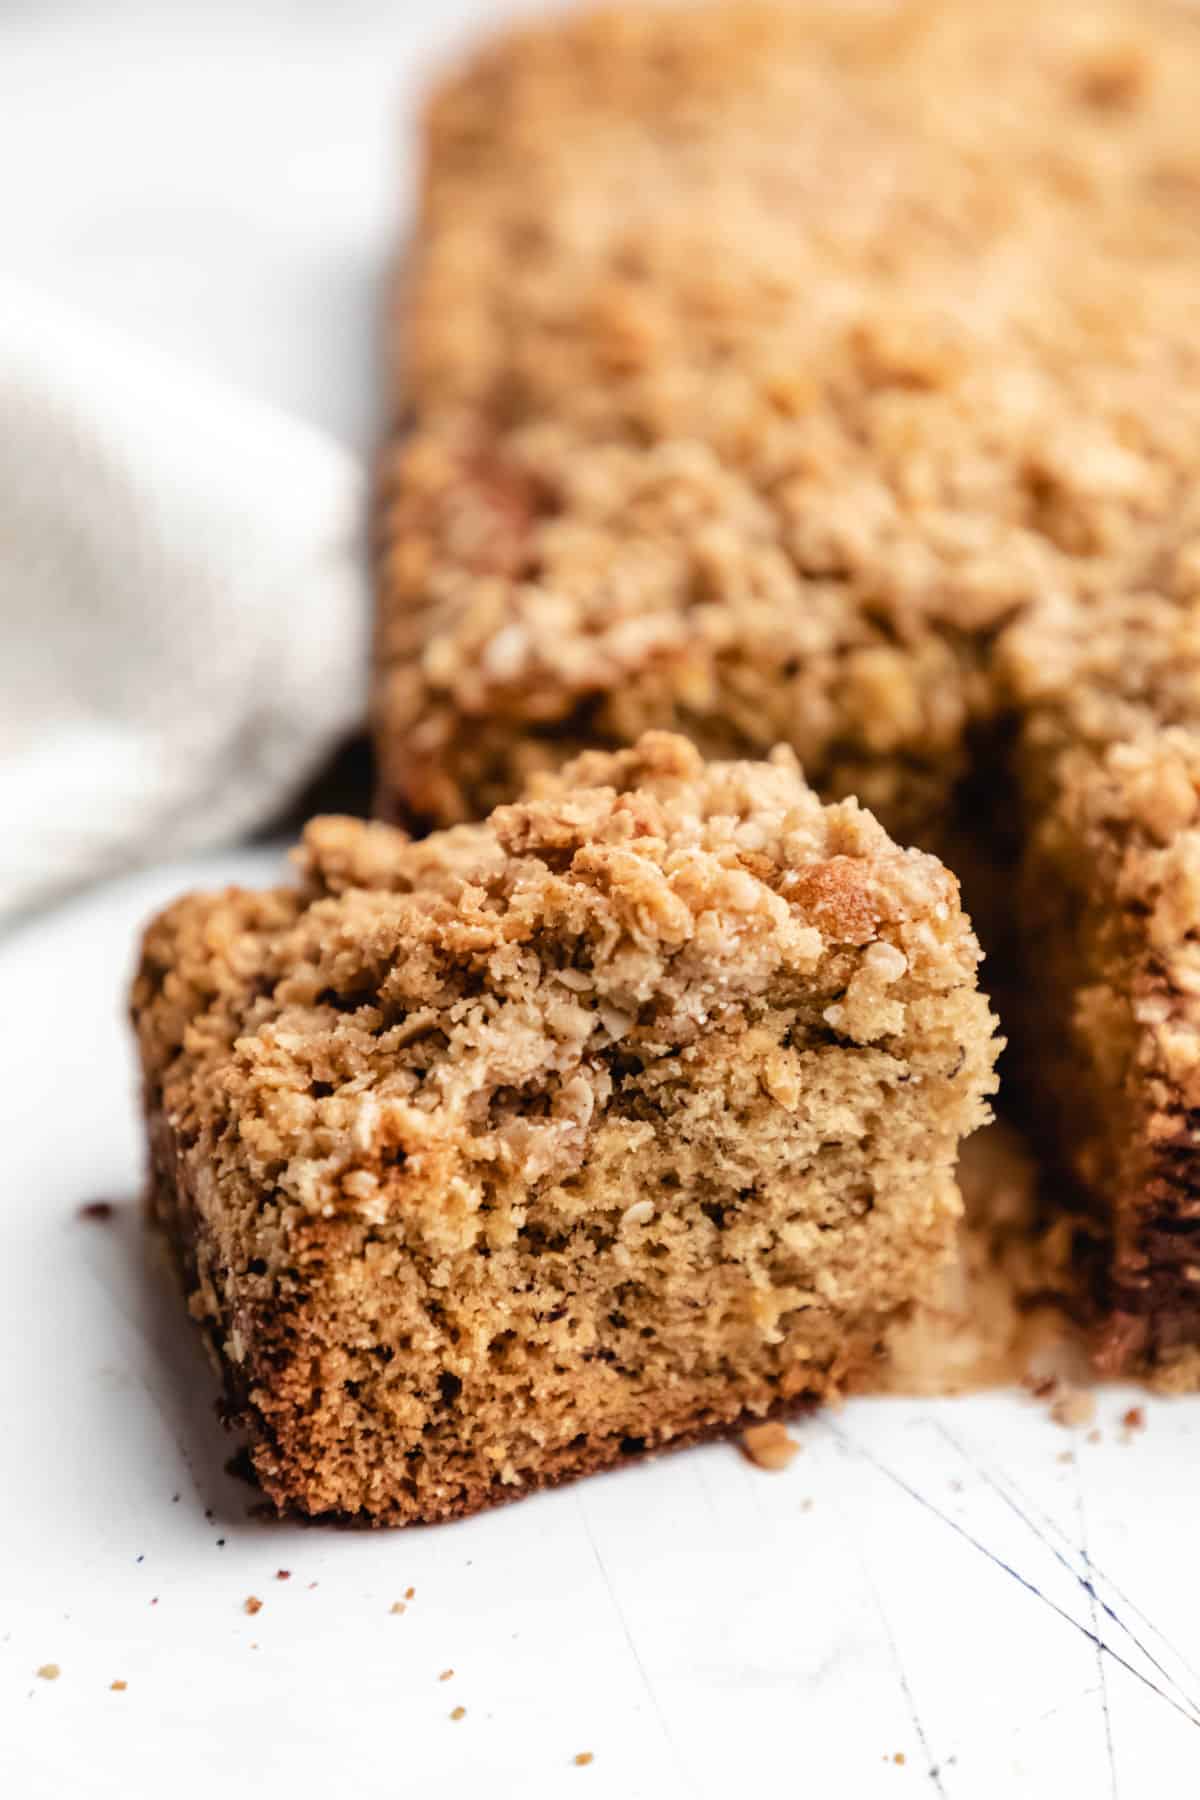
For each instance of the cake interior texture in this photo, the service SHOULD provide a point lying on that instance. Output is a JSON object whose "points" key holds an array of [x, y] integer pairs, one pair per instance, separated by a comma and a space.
{"points": [[622, 1118], [829, 375]]}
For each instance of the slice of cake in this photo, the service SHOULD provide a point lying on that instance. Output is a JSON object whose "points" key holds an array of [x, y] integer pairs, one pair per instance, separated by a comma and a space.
{"points": [[625, 1117]]}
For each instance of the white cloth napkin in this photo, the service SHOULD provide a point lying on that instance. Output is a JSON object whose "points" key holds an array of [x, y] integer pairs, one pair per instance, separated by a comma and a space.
{"points": [[183, 605]]}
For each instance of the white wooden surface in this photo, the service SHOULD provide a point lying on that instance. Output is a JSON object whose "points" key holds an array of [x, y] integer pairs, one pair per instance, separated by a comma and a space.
{"points": [[222, 179], [928, 1578]]}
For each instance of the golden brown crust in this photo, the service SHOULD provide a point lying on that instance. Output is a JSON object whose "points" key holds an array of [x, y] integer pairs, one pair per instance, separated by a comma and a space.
{"points": [[623, 1115]]}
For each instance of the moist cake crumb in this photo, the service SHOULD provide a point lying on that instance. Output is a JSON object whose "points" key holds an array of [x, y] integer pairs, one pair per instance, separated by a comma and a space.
{"points": [[460, 1712], [399, 1113], [252, 1604]]}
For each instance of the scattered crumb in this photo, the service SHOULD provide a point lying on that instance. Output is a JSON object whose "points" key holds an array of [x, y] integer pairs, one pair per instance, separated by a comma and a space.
{"points": [[311, 1585], [899, 1757], [174, 1499], [220, 1543], [118, 1687], [1065, 1456], [398, 1606], [583, 1758], [252, 1604], [1093, 1437], [410, 1593], [806, 1506], [769, 1446], [1074, 1406], [49, 1671], [99, 1210], [283, 1574], [445, 1674], [460, 1712], [154, 1602], [1134, 1419]]}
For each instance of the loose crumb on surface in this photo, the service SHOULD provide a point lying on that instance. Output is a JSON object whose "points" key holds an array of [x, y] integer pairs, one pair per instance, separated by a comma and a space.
{"points": [[1065, 1456], [1094, 1437], [1134, 1419], [1074, 1406], [252, 1604], [49, 1671], [445, 1674], [283, 1574], [769, 1446], [460, 1712], [398, 1606], [899, 1757], [97, 1210], [118, 1687], [410, 1593], [583, 1758]]}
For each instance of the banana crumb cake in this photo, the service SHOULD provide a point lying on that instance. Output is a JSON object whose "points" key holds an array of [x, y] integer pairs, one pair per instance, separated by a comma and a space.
{"points": [[627, 1116], [829, 374]]}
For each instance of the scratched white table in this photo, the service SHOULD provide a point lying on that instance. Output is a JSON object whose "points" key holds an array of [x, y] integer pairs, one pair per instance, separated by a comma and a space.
{"points": [[928, 1579]]}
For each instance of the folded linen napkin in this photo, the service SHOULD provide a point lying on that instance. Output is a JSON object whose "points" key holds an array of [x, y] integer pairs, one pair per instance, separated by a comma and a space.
{"points": [[183, 607]]}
